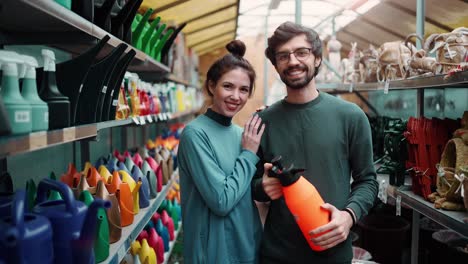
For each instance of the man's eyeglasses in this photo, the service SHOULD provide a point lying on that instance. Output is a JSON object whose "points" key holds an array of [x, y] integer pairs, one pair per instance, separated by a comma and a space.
{"points": [[300, 54]]}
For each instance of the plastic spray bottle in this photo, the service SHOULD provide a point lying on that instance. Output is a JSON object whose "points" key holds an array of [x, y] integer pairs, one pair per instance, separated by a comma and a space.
{"points": [[59, 105], [18, 109], [40, 110], [303, 200]]}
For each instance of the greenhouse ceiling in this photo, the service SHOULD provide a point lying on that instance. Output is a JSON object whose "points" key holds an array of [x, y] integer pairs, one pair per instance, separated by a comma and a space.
{"points": [[213, 23]]}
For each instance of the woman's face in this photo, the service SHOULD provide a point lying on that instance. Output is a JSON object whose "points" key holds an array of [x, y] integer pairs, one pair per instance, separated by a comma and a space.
{"points": [[231, 92]]}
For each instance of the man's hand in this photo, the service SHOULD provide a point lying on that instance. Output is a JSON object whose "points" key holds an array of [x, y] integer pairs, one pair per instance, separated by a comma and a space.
{"points": [[339, 226], [271, 186]]}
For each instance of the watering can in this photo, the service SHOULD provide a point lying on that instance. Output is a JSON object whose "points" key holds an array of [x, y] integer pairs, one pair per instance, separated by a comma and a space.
{"points": [[113, 214], [137, 175], [25, 238], [151, 178], [73, 224], [6, 194], [134, 189], [101, 243]]}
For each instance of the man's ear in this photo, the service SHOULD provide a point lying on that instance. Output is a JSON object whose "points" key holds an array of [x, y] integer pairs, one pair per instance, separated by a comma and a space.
{"points": [[317, 62]]}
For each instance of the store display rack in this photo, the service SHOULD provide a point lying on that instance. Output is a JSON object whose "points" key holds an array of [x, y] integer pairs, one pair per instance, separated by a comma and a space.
{"points": [[12, 145], [44, 22], [167, 255], [450, 219], [455, 80], [119, 249]]}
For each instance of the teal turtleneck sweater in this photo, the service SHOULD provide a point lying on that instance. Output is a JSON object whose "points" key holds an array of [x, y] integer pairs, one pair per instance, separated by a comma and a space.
{"points": [[221, 223]]}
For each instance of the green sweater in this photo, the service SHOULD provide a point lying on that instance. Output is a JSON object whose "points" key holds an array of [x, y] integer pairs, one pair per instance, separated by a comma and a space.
{"points": [[221, 223], [331, 139]]}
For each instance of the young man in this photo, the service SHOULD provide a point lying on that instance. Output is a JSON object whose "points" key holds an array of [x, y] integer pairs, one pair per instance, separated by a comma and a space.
{"points": [[329, 138]]}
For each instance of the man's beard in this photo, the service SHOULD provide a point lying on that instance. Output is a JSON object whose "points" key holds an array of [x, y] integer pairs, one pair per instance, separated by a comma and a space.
{"points": [[299, 83]]}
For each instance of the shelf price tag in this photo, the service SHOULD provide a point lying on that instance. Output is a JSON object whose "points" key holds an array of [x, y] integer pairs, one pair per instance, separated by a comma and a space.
{"points": [[135, 120], [351, 86], [383, 185], [160, 117], [37, 140], [398, 205], [69, 134], [387, 85], [150, 120], [142, 120]]}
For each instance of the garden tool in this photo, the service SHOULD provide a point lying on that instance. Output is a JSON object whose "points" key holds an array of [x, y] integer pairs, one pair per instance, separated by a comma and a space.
{"points": [[17, 108], [127, 24], [71, 177], [72, 74], [93, 177], [39, 108], [148, 34], [54, 195], [84, 8], [140, 25], [144, 197], [25, 238], [169, 42], [102, 14], [59, 104], [101, 242], [134, 188], [147, 254], [125, 197], [6, 193], [151, 178], [127, 12], [138, 160], [113, 213], [156, 52], [65, 3], [104, 172], [110, 104], [95, 86], [303, 200], [30, 194], [72, 222]]}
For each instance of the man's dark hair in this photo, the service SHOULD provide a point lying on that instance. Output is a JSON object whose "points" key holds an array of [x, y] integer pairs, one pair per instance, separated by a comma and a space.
{"points": [[289, 30]]}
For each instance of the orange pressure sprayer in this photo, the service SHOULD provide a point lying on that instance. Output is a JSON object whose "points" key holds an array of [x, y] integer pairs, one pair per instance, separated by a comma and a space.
{"points": [[303, 200]]}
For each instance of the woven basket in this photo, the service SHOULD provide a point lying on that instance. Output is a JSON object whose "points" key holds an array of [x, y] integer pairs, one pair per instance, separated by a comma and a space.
{"points": [[454, 157]]}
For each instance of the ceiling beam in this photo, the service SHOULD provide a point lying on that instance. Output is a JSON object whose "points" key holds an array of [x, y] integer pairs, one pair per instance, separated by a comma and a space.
{"points": [[211, 38], [215, 45], [211, 49], [385, 29], [209, 26], [170, 5], [413, 13], [211, 13]]}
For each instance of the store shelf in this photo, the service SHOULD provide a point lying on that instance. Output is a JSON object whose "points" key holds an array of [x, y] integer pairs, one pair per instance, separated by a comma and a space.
{"points": [[130, 233], [167, 255], [39, 140], [47, 23], [173, 78], [456, 80], [12, 145], [450, 219]]}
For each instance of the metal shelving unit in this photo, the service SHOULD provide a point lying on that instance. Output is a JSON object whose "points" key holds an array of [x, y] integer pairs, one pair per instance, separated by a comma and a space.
{"points": [[455, 80], [167, 255], [451, 219], [48, 23], [12, 145], [118, 249]]}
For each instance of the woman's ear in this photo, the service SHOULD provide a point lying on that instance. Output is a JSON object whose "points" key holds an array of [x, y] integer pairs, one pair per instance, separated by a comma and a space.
{"points": [[211, 87]]}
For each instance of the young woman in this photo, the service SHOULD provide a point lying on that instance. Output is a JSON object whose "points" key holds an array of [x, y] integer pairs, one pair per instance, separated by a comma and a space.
{"points": [[216, 163]]}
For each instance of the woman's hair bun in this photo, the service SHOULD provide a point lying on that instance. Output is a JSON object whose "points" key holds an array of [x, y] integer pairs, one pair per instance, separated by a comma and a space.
{"points": [[236, 48]]}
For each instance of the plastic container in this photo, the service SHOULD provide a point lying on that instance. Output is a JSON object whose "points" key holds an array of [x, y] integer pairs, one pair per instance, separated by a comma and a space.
{"points": [[384, 237], [451, 246]]}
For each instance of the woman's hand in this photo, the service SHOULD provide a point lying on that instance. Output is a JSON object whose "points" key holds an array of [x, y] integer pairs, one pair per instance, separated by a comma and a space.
{"points": [[251, 135]]}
